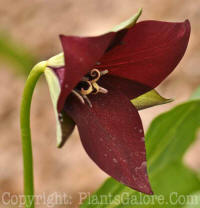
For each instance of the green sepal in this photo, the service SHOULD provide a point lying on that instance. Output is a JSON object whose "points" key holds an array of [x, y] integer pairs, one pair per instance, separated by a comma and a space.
{"points": [[57, 60], [64, 123], [149, 99], [128, 23]]}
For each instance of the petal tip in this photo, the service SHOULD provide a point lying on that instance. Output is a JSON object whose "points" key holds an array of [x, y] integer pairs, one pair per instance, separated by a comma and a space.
{"points": [[148, 190], [151, 192], [188, 25], [145, 188], [61, 36], [186, 29], [187, 22]]}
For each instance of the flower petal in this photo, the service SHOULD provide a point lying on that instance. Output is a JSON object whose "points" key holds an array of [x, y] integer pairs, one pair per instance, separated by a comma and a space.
{"points": [[141, 96], [128, 87], [81, 53], [148, 52], [112, 134]]}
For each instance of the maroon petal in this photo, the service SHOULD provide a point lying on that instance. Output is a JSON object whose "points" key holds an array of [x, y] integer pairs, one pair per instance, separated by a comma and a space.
{"points": [[128, 87], [149, 52], [81, 53], [112, 135], [60, 72]]}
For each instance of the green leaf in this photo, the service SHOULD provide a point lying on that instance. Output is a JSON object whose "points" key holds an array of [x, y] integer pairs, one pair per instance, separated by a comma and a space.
{"points": [[15, 54], [167, 139], [149, 99], [128, 23], [64, 123]]}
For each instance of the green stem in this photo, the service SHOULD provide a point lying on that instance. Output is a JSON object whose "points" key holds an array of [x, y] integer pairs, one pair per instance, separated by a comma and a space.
{"points": [[26, 133]]}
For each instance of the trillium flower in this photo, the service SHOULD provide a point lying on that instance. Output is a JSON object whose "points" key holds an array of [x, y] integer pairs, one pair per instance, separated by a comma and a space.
{"points": [[100, 86]]}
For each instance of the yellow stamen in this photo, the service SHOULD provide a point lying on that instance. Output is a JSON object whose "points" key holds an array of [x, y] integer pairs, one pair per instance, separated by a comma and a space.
{"points": [[96, 74], [87, 91], [96, 87]]}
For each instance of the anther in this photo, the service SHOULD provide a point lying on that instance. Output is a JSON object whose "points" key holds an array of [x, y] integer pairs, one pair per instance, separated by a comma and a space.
{"points": [[88, 90], [88, 101], [78, 96], [88, 85], [103, 90], [95, 74], [95, 88], [104, 72]]}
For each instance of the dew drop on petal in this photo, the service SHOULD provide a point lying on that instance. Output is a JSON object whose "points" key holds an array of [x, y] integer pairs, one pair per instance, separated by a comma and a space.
{"points": [[113, 138], [141, 167], [140, 131], [136, 154], [115, 160], [134, 178]]}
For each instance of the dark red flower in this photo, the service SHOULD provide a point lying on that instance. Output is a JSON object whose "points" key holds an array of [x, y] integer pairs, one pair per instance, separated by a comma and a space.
{"points": [[137, 60]]}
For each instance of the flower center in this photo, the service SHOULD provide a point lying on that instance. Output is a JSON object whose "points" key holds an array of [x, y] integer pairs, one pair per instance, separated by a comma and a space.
{"points": [[88, 85]]}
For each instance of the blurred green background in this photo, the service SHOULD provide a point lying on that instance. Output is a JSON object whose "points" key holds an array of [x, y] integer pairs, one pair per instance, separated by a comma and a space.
{"points": [[30, 29]]}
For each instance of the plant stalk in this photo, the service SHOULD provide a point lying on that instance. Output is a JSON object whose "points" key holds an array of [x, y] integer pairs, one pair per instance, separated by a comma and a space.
{"points": [[26, 133]]}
